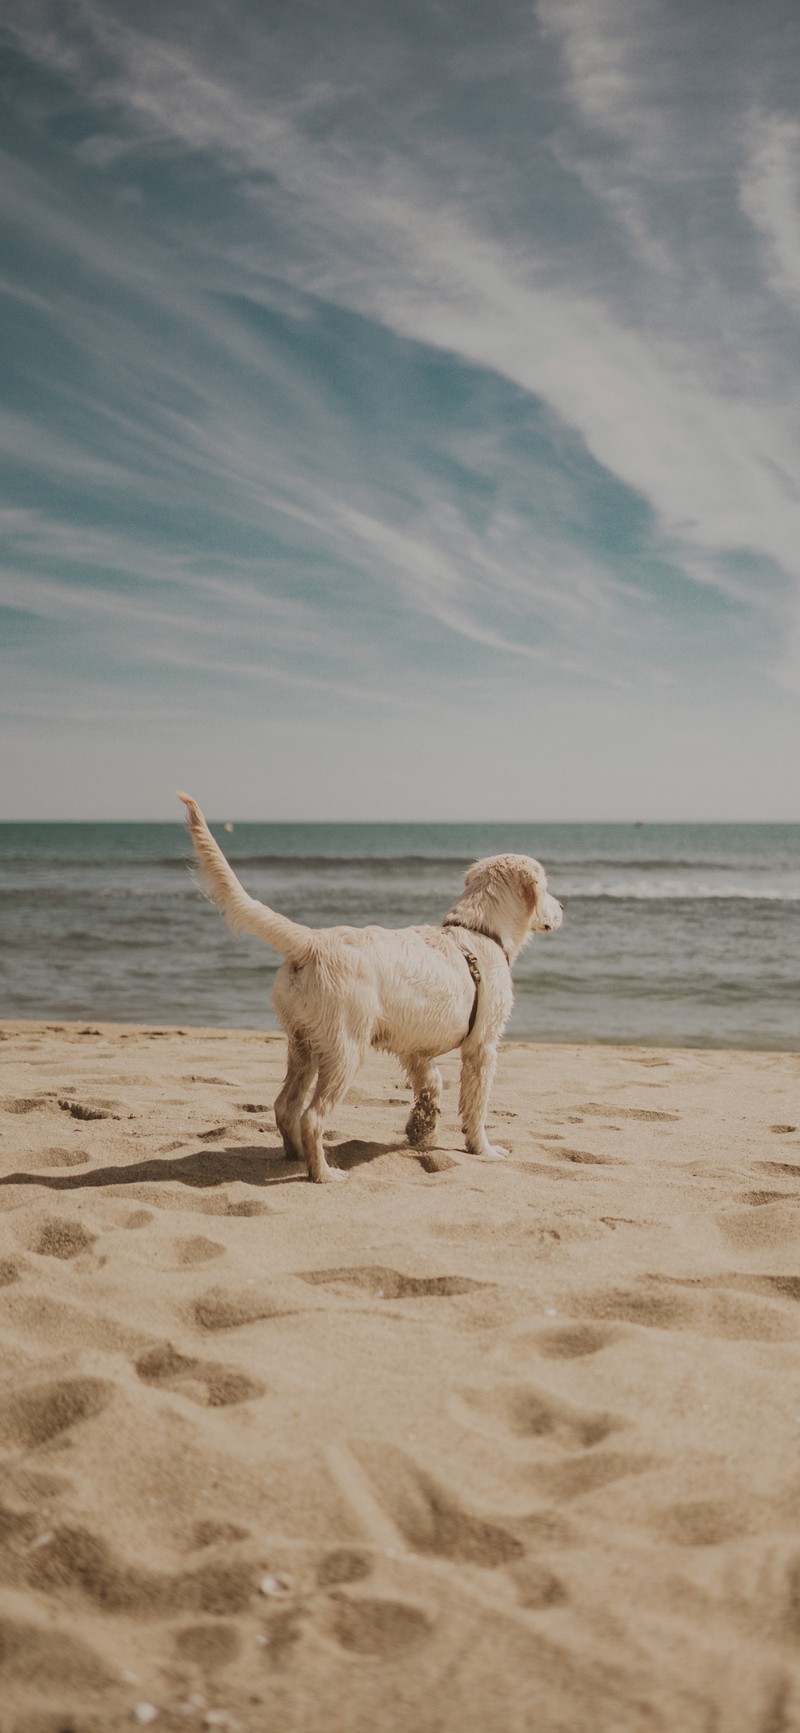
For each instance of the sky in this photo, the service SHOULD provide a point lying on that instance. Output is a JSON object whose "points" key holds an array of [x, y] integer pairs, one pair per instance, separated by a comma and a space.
{"points": [[400, 409]]}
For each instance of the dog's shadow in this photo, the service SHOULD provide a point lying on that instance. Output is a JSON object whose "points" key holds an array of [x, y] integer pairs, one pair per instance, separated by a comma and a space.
{"points": [[206, 1168]]}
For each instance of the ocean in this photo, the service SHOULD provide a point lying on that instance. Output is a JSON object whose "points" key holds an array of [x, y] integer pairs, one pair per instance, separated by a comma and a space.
{"points": [[677, 934]]}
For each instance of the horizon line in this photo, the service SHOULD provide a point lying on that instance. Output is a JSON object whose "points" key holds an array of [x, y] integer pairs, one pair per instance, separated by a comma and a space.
{"points": [[632, 823]]}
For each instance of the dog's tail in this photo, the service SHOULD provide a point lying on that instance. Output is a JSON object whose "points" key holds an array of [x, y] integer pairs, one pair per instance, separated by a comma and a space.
{"points": [[242, 913]]}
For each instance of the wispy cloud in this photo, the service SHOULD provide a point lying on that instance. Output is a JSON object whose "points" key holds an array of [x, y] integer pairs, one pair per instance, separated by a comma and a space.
{"points": [[770, 193], [392, 239]]}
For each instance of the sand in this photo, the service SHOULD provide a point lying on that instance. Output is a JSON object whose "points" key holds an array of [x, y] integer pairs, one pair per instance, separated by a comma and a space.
{"points": [[454, 1445]]}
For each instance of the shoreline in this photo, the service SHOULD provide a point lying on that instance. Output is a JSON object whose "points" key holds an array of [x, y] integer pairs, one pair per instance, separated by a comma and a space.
{"points": [[455, 1444], [106, 1025]]}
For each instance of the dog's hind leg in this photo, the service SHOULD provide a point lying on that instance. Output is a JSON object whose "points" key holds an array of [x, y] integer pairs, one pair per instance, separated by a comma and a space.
{"points": [[301, 1070], [336, 1073], [426, 1083], [477, 1075]]}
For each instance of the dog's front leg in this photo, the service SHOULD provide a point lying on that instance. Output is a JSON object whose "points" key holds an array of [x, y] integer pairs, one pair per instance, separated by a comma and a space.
{"points": [[477, 1075], [426, 1083]]}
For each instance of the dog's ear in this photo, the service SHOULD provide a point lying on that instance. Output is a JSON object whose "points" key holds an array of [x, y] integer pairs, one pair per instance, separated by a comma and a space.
{"points": [[516, 871], [531, 882]]}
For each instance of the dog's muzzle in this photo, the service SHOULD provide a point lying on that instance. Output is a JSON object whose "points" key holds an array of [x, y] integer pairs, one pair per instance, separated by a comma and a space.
{"points": [[552, 916]]}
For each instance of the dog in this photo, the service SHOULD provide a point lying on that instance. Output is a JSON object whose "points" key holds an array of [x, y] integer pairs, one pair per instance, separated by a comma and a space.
{"points": [[417, 993]]}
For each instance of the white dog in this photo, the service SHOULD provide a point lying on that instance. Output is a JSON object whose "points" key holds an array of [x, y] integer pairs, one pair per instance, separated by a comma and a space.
{"points": [[417, 993]]}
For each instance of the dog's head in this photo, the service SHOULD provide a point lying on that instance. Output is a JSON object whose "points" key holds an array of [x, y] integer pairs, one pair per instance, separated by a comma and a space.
{"points": [[510, 890]]}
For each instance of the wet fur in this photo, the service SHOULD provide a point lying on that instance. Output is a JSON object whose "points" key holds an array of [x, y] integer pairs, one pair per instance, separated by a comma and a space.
{"points": [[344, 990]]}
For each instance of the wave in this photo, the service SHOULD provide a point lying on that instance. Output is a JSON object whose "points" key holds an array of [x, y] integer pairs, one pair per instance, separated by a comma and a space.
{"points": [[337, 863], [638, 888], [679, 886], [339, 907], [606, 986], [559, 868], [461, 861], [654, 893]]}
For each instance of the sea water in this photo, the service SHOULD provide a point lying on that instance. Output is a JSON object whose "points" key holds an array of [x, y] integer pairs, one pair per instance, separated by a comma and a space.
{"points": [[684, 934]]}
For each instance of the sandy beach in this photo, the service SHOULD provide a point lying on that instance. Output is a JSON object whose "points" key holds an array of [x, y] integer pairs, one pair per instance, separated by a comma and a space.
{"points": [[455, 1445]]}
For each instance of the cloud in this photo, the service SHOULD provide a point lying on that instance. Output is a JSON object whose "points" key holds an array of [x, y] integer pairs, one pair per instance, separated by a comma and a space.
{"points": [[364, 348], [770, 195], [387, 235]]}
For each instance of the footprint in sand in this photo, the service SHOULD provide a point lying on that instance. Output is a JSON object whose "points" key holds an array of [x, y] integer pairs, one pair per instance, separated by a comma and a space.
{"points": [[646, 1114], [58, 1156], [27, 1103], [547, 1169], [435, 1161], [475, 1305], [537, 1585], [206, 1382], [218, 1204], [17, 1527], [656, 1310], [774, 1223], [586, 1474], [62, 1326], [89, 1109], [756, 1198], [208, 1646], [59, 1237], [787, 1287], [379, 1628], [344, 1564], [782, 1287], [715, 1314], [529, 1413], [245, 1207], [386, 1284], [78, 1560], [211, 1532], [221, 1310], [573, 1341], [218, 1082], [44, 1658], [585, 1158], [428, 1517], [197, 1250], [700, 1522], [11, 1270], [36, 1414]]}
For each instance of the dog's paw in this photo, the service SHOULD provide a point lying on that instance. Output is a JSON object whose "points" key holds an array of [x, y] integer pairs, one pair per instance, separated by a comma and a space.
{"points": [[325, 1175], [482, 1147]]}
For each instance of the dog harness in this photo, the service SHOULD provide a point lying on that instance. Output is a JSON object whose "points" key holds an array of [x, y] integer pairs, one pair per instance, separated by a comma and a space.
{"points": [[472, 964]]}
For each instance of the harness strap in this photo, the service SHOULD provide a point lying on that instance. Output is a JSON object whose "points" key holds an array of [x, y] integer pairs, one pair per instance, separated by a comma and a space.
{"points": [[472, 965], [485, 933]]}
